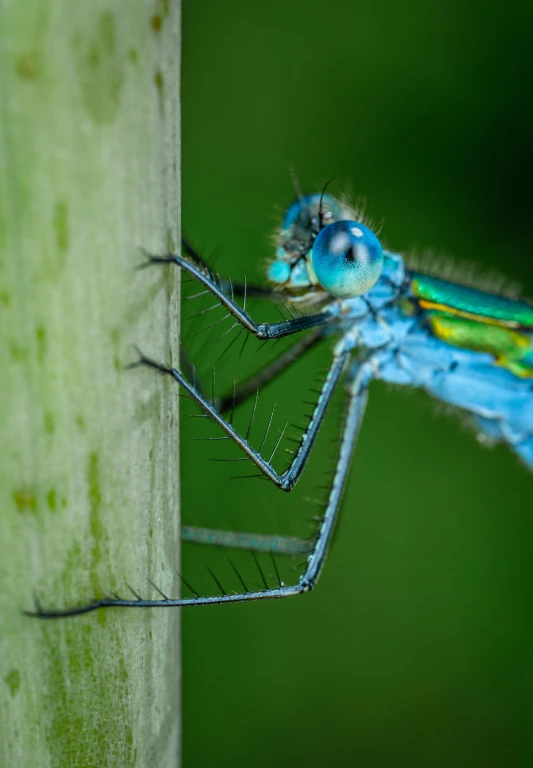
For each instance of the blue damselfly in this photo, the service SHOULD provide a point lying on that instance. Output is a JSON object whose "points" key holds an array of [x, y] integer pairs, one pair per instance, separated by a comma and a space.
{"points": [[466, 347]]}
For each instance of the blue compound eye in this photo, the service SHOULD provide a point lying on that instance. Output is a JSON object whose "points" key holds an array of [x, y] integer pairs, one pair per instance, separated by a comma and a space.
{"points": [[347, 259]]}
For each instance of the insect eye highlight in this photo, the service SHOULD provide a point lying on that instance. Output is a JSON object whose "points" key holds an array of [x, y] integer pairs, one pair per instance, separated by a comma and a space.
{"points": [[347, 258]]}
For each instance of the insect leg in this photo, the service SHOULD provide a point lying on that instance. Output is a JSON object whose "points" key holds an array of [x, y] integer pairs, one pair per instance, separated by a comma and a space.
{"points": [[264, 331], [316, 559], [239, 289], [249, 387], [352, 425], [283, 545], [288, 479]]}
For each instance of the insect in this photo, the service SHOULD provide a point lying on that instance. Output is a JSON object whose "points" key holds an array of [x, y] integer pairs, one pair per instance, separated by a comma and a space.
{"points": [[464, 346]]}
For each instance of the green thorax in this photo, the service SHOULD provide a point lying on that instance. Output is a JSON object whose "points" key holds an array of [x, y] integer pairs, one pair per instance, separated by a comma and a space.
{"points": [[460, 298], [472, 319]]}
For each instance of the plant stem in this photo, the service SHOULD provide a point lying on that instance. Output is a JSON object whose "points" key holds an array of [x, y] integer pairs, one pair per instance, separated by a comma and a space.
{"points": [[89, 466]]}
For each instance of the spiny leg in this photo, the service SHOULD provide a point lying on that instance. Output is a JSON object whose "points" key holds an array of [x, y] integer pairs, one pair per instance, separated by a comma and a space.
{"points": [[286, 545], [352, 426], [256, 542], [264, 331], [249, 387], [315, 560], [239, 289], [288, 479]]}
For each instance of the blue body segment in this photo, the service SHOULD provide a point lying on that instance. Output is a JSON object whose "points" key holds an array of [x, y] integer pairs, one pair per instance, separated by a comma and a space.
{"points": [[279, 272], [406, 352]]}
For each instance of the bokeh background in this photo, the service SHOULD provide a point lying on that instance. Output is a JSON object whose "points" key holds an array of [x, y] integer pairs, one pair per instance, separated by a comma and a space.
{"points": [[416, 646]]}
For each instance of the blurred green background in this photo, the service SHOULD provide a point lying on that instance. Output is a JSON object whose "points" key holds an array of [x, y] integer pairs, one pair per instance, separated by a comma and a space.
{"points": [[416, 646]]}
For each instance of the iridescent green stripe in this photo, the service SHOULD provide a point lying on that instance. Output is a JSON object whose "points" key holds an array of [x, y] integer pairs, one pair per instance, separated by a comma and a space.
{"points": [[465, 299], [512, 349]]}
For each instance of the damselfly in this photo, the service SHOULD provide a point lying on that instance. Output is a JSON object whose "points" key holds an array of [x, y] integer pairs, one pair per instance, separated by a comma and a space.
{"points": [[466, 347]]}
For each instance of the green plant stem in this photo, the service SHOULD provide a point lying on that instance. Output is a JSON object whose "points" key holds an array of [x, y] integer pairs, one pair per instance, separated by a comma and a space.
{"points": [[89, 171]]}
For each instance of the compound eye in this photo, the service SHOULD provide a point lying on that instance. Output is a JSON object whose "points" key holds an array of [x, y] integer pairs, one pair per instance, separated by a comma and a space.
{"points": [[347, 258]]}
